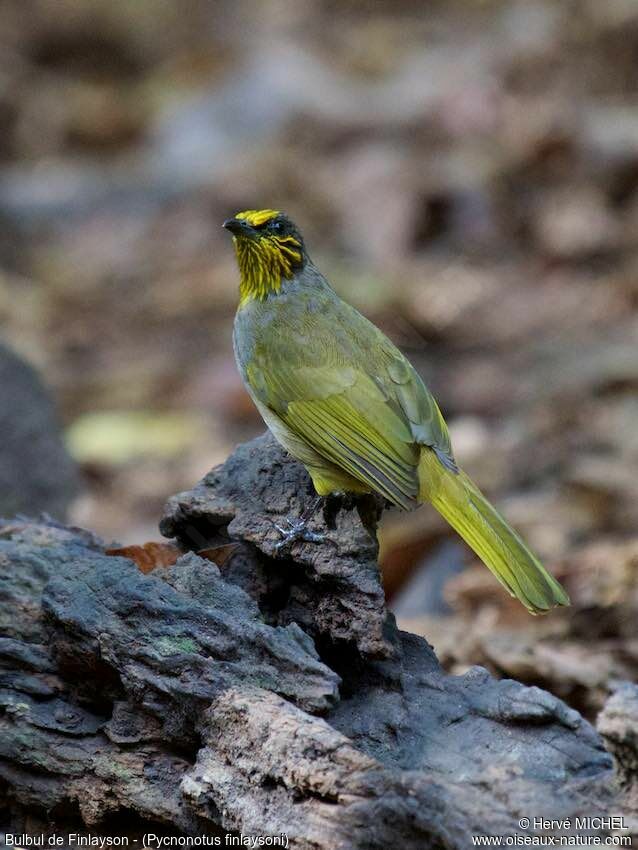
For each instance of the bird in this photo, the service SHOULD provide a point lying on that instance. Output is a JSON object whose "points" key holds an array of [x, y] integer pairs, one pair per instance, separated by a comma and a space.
{"points": [[343, 400]]}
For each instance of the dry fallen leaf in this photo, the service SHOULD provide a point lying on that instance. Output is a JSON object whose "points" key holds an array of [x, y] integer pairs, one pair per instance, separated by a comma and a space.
{"points": [[148, 556], [219, 554], [151, 555]]}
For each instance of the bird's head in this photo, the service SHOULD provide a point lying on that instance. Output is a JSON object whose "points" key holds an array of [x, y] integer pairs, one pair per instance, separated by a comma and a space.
{"points": [[269, 249]]}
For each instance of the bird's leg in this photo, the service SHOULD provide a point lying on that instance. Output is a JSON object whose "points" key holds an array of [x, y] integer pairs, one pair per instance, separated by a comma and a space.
{"points": [[369, 506], [334, 503], [297, 529]]}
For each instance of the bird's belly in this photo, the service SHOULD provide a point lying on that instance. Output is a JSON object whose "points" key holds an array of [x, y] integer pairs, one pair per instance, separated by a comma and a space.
{"points": [[298, 448], [326, 477]]}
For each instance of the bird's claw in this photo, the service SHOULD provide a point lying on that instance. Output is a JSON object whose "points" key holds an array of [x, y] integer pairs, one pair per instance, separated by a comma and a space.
{"points": [[297, 530]]}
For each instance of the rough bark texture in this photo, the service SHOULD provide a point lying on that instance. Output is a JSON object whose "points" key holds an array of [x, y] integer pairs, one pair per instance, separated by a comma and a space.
{"points": [[332, 590], [273, 695], [618, 724]]}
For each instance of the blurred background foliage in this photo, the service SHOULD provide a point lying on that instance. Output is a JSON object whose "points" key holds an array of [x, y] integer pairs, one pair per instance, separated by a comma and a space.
{"points": [[465, 172]]}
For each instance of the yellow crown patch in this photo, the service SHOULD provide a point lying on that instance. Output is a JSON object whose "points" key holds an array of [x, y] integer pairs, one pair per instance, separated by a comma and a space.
{"points": [[257, 217]]}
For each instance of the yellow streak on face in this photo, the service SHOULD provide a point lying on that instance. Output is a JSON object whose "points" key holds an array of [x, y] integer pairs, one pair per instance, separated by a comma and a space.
{"points": [[257, 217], [262, 265], [265, 259], [283, 243]]}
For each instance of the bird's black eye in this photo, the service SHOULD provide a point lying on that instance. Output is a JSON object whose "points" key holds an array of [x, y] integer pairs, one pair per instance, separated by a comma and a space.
{"points": [[277, 227]]}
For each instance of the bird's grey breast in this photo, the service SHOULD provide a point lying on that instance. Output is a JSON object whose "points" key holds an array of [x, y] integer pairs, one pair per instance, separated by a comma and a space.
{"points": [[266, 329], [258, 324]]}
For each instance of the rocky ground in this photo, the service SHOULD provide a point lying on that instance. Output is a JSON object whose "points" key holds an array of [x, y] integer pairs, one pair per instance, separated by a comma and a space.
{"points": [[264, 693]]}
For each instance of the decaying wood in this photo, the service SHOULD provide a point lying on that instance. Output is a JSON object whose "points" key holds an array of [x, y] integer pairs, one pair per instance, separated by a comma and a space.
{"points": [[271, 695], [331, 590]]}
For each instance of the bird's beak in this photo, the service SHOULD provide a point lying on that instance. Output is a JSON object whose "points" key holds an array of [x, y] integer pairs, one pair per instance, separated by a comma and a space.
{"points": [[238, 227]]}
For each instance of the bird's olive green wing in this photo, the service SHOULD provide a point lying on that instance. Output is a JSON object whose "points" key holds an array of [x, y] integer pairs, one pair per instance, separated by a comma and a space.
{"points": [[341, 413], [405, 388], [357, 401]]}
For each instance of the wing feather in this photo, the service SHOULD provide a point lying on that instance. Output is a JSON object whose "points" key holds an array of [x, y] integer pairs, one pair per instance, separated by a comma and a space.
{"points": [[352, 396], [358, 455]]}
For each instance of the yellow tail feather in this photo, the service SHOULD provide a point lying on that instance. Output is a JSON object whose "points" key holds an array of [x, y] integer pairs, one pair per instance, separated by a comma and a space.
{"points": [[461, 503]]}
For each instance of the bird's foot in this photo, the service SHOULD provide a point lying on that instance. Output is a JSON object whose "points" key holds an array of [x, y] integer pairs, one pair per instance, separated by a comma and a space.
{"points": [[298, 529]]}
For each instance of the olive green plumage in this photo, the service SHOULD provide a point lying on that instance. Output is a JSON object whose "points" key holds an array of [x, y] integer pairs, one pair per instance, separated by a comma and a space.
{"points": [[343, 400]]}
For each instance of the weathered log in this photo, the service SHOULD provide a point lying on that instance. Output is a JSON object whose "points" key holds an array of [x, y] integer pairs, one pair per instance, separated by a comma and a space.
{"points": [[618, 724], [251, 698], [332, 590], [36, 472]]}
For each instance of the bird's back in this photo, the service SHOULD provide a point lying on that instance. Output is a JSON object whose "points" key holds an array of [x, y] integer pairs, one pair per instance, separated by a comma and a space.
{"points": [[306, 342]]}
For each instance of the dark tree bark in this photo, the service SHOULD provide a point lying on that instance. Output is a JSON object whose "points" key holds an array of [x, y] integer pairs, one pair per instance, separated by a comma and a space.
{"points": [[271, 695], [36, 472]]}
